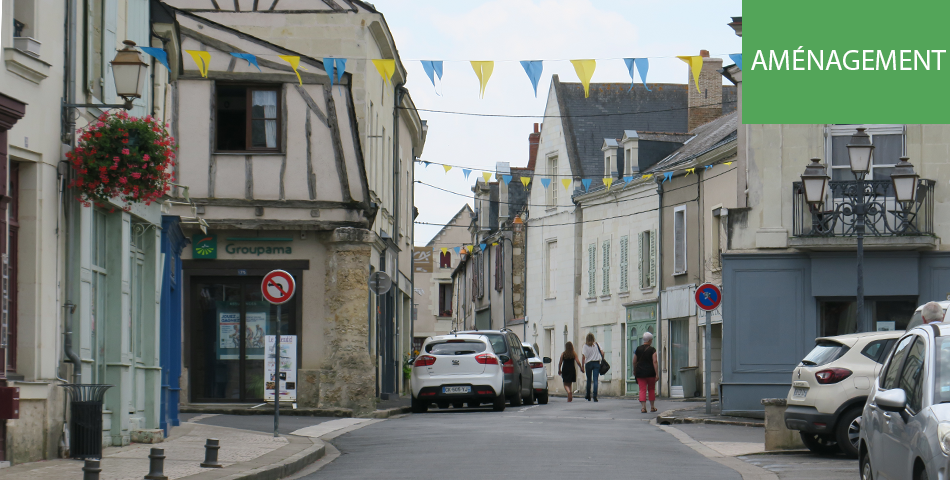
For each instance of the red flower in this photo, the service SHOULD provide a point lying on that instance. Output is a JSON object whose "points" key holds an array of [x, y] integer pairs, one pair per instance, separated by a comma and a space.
{"points": [[125, 151]]}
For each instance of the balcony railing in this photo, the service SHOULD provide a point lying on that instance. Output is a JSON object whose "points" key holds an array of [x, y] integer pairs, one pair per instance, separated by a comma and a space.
{"points": [[886, 216]]}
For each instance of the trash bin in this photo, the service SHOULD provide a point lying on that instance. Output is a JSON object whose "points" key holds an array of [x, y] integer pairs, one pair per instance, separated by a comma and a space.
{"points": [[688, 377], [85, 424]]}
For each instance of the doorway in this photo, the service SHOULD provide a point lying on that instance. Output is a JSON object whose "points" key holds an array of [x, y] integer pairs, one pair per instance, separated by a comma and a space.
{"points": [[640, 319], [679, 355], [229, 319]]}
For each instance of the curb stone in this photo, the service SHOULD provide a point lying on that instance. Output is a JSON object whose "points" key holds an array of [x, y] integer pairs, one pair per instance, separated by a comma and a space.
{"points": [[668, 418], [300, 412], [273, 471], [389, 412]]}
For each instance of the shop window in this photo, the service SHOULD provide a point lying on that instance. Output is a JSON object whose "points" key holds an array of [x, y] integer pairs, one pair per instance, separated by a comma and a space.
{"points": [[248, 118], [892, 314], [445, 299], [837, 317], [445, 260]]}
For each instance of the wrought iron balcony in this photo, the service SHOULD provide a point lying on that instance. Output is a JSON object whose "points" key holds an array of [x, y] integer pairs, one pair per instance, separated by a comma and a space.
{"points": [[885, 215]]}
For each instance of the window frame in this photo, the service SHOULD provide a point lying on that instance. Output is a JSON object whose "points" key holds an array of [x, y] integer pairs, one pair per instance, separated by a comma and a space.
{"points": [[445, 301], [248, 119], [551, 266], [681, 209], [872, 130], [445, 258], [551, 194]]}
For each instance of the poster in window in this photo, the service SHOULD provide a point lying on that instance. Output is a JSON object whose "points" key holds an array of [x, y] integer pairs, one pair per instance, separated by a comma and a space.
{"points": [[288, 368], [229, 329]]}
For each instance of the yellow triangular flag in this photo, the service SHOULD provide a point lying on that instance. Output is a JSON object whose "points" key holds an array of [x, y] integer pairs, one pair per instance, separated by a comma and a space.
{"points": [[525, 181], [386, 69], [566, 182], [494, 244], [608, 181], [294, 62], [447, 168], [483, 71], [486, 176], [202, 59], [727, 163], [445, 250], [585, 71], [689, 171], [648, 176], [695, 63]]}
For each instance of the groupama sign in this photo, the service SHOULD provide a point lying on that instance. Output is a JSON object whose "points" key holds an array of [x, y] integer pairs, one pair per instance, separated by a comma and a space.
{"points": [[205, 246]]}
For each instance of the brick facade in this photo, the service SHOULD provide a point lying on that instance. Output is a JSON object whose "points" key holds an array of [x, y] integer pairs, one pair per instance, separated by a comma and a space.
{"points": [[705, 105]]}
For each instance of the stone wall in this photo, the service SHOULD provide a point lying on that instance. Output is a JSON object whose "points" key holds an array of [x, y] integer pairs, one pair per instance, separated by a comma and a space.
{"points": [[36, 434]]}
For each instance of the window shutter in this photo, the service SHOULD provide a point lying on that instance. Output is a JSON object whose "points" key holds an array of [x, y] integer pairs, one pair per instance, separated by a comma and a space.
{"points": [[624, 280], [606, 267], [480, 265], [499, 267], [640, 272], [679, 241], [653, 258], [591, 275]]}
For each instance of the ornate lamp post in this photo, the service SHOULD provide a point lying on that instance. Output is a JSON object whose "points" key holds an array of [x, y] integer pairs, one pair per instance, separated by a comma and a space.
{"points": [[859, 153], [128, 71]]}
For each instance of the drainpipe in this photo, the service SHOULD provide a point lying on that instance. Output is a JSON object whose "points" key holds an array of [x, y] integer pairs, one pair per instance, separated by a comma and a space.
{"points": [[71, 223], [659, 272]]}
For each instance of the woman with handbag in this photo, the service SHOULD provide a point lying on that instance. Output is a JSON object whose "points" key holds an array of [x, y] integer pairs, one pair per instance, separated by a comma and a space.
{"points": [[565, 368], [645, 367], [592, 356]]}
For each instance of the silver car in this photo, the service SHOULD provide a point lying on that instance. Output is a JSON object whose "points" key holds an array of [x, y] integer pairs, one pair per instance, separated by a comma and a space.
{"points": [[906, 430]]}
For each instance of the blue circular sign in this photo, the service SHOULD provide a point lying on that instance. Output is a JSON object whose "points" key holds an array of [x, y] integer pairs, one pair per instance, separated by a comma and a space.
{"points": [[708, 297]]}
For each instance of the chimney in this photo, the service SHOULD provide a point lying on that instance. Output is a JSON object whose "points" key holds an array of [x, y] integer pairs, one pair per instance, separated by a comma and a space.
{"points": [[534, 139], [705, 105]]}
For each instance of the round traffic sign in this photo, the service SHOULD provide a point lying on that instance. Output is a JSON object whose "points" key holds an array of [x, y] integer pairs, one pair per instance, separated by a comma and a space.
{"points": [[278, 287], [380, 283], [708, 297]]}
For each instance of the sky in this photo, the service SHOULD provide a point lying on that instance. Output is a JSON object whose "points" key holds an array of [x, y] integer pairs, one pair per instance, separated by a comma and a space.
{"points": [[508, 31]]}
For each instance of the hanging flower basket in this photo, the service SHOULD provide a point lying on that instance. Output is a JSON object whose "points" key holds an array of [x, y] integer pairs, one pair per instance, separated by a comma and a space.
{"points": [[123, 157]]}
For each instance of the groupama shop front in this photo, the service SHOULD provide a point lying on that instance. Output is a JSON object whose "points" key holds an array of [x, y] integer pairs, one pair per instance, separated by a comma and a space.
{"points": [[226, 318]]}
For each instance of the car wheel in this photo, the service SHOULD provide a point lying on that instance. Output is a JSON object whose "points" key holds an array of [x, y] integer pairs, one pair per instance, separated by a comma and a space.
{"points": [[820, 444], [866, 468], [516, 398], [419, 406], [848, 432], [922, 474], [543, 398], [499, 404], [530, 399]]}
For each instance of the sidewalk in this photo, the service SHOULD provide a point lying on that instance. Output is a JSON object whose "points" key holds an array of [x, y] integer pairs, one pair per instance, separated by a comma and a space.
{"points": [[245, 454], [384, 409], [697, 414]]}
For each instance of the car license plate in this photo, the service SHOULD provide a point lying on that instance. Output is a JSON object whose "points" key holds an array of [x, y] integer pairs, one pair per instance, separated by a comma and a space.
{"points": [[456, 389], [800, 392]]}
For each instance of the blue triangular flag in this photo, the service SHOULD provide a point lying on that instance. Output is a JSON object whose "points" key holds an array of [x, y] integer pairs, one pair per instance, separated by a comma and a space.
{"points": [[533, 68], [506, 178], [457, 250], [482, 245], [667, 176], [159, 55], [737, 58], [546, 182], [708, 167], [335, 67], [586, 183], [628, 179], [427, 163], [340, 67], [433, 69], [643, 65], [466, 172], [251, 59]]}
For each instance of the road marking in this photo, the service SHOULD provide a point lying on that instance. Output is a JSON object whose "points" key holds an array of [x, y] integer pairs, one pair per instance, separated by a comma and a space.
{"points": [[198, 418], [747, 470], [525, 409], [327, 427]]}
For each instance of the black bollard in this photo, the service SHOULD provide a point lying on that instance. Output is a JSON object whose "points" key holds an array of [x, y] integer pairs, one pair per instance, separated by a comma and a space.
{"points": [[90, 470], [156, 465], [211, 454]]}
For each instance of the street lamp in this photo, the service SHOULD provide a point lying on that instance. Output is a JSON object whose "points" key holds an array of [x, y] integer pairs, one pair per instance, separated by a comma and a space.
{"points": [[904, 179], [815, 181], [128, 71]]}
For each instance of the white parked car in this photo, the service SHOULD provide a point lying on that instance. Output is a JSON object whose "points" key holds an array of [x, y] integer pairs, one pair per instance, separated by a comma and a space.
{"points": [[455, 369], [540, 373], [830, 386]]}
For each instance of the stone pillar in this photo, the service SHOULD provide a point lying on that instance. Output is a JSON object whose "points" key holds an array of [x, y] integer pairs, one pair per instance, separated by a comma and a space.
{"points": [[777, 436], [347, 378]]}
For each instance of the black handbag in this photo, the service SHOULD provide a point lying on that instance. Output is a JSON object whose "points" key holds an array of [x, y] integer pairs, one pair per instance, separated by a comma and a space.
{"points": [[604, 366]]}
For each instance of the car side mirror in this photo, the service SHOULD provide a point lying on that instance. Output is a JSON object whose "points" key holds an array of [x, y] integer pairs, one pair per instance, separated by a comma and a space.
{"points": [[410, 361], [546, 359], [506, 359], [893, 400]]}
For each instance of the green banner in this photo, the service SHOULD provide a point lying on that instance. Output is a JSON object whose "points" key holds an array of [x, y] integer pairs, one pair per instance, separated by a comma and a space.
{"points": [[845, 62]]}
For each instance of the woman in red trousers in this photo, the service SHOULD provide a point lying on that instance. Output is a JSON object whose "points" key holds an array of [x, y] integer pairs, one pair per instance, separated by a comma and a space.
{"points": [[645, 367]]}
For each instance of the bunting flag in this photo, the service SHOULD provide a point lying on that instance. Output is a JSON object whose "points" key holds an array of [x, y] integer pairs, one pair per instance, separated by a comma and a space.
{"points": [[695, 63], [202, 59], [648, 176], [585, 71], [506, 178], [533, 69], [727, 163], [160, 55], [627, 179], [608, 181], [447, 168], [483, 246], [708, 167], [294, 62], [251, 59], [335, 68], [642, 65], [486, 176], [525, 181], [466, 172], [586, 183], [457, 250], [483, 71], [445, 250], [545, 182], [433, 69], [737, 59], [667, 176], [494, 244], [386, 69], [567, 183], [689, 171], [427, 164]]}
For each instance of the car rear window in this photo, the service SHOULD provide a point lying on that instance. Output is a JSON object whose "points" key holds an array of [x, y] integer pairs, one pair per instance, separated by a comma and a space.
{"points": [[824, 352], [456, 347], [498, 343], [877, 350], [528, 352]]}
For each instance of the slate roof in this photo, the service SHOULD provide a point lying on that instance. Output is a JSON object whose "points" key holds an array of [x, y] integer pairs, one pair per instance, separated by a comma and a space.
{"points": [[451, 223], [705, 137], [663, 109]]}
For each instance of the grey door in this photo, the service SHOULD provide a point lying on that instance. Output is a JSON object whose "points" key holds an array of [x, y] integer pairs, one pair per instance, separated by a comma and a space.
{"points": [[679, 351]]}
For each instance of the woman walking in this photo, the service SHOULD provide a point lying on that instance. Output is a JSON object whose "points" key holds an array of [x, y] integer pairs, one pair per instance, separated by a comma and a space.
{"points": [[644, 369], [565, 368], [592, 355]]}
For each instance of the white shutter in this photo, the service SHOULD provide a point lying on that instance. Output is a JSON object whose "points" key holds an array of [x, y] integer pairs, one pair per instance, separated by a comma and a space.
{"points": [[653, 239], [679, 240], [606, 267], [591, 270], [640, 271], [624, 280]]}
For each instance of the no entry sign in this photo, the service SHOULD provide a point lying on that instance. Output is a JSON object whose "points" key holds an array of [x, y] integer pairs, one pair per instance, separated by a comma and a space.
{"points": [[278, 287], [708, 297]]}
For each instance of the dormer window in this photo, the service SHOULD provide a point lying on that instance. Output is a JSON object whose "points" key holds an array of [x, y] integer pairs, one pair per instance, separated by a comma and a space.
{"points": [[607, 165]]}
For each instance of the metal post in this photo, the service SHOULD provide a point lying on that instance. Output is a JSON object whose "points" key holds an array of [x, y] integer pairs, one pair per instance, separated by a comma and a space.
{"points": [[277, 375], [860, 214], [156, 465], [90, 470], [211, 454], [708, 366]]}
